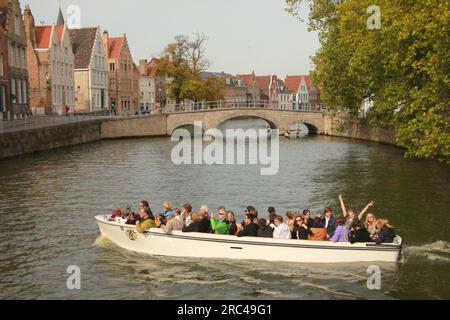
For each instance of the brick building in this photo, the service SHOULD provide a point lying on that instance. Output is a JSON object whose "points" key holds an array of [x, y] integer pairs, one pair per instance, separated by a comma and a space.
{"points": [[253, 93], [4, 76], [123, 75], [51, 61], [14, 32]]}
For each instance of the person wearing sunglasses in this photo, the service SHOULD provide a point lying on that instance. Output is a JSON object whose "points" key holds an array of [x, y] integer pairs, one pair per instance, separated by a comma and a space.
{"points": [[301, 229]]}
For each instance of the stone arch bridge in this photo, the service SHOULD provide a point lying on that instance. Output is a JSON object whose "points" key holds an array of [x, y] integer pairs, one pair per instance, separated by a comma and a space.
{"points": [[277, 119]]}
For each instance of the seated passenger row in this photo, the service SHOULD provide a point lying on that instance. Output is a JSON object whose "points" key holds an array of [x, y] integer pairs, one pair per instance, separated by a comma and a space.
{"points": [[301, 226]]}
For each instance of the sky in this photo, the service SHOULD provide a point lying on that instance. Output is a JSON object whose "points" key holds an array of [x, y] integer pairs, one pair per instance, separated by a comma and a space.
{"points": [[243, 35]]}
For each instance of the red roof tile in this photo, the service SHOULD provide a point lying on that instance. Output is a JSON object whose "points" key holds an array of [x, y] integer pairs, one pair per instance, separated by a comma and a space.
{"points": [[264, 83], [293, 83], [308, 81], [115, 44], [152, 65], [43, 34], [246, 78]]}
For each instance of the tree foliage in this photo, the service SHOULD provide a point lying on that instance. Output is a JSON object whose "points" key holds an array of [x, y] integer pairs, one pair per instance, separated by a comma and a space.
{"points": [[182, 62], [403, 67]]}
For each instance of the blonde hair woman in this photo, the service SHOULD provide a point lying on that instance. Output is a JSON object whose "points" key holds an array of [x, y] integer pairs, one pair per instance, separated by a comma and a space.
{"points": [[371, 225], [386, 232]]}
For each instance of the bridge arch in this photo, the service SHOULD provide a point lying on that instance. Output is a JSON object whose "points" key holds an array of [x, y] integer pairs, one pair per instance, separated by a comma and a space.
{"points": [[277, 119], [313, 129], [271, 123]]}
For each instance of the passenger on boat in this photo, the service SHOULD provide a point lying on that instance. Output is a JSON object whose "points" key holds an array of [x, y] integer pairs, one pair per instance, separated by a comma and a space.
{"points": [[232, 220], [204, 223], [220, 225], [194, 226], [329, 222], [186, 214], [264, 230], [386, 232], [359, 234], [145, 205], [174, 222], [290, 220], [342, 232], [249, 228], [300, 229], [371, 225], [281, 230], [350, 215], [307, 218], [144, 223], [271, 217], [317, 232], [118, 213]]}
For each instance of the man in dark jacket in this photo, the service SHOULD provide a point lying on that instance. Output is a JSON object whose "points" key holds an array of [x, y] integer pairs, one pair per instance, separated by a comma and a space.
{"points": [[250, 229], [329, 223], [200, 223]]}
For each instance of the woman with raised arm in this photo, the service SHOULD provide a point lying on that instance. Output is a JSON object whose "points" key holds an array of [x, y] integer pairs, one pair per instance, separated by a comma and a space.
{"points": [[350, 215]]}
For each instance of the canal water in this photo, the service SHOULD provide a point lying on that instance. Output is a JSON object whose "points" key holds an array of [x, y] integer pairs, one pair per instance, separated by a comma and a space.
{"points": [[48, 202]]}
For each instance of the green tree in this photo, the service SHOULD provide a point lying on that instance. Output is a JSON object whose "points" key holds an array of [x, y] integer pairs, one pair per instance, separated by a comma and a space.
{"points": [[403, 67], [182, 63]]}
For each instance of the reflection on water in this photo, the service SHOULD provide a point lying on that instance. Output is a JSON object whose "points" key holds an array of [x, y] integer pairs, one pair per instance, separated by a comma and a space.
{"points": [[48, 201]]}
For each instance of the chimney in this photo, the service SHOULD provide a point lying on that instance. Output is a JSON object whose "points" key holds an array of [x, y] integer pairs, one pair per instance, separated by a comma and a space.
{"points": [[143, 67], [29, 25], [105, 37]]}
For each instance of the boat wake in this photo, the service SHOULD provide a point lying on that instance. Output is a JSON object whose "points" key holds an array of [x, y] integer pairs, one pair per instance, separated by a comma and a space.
{"points": [[438, 251]]}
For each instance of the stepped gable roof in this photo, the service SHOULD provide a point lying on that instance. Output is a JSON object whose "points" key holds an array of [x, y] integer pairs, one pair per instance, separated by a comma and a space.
{"points": [[83, 42]]}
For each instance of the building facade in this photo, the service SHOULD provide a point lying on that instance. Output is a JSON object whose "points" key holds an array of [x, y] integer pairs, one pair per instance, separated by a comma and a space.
{"points": [[4, 75], [284, 96], [160, 84], [147, 88], [91, 70], [253, 93], [123, 76], [13, 26], [51, 61]]}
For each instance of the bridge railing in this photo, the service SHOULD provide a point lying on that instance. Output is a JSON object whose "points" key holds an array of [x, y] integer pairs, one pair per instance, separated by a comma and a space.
{"points": [[191, 106]]}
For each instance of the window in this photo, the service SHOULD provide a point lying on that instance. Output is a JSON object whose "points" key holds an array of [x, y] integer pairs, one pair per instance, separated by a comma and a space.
{"points": [[17, 24], [2, 71], [112, 67], [11, 55], [25, 91], [19, 91], [13, 90], [17, 56]]}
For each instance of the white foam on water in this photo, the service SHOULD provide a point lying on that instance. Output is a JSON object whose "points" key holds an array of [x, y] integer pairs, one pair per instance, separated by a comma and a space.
{"points": [[437, 251]]}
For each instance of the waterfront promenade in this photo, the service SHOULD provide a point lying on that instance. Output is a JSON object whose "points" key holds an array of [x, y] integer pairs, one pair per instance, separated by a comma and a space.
{"points": [[38, 122]]}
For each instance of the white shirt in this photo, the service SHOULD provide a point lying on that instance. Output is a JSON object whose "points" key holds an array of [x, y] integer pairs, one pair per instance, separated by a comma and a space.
{"points": [[327, 220], [282, 232]]}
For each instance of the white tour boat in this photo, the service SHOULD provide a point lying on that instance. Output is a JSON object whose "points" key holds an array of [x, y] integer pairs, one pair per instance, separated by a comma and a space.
{"points": [[200, 245]]}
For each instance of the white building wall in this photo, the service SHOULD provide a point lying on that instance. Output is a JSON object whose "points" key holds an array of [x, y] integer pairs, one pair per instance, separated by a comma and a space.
{"points": [[147, 89], [98, 79], [63, 82]]}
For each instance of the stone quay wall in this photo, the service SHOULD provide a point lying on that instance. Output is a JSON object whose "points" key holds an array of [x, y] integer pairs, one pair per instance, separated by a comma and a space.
{"points": [[34, 140]]}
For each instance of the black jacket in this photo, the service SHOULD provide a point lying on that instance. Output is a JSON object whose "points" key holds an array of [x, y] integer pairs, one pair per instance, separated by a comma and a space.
{"points": [[300, 234], [201, 226], [233, 229], [361, 235], [250, 230], [386, 235], [265, 232]]}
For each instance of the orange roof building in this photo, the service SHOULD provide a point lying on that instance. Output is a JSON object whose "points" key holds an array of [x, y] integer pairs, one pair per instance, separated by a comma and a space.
{"points": [[51, 66]]}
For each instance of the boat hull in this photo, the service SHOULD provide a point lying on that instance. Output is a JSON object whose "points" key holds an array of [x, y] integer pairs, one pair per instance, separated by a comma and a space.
{"points": [[199, 245]]}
